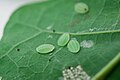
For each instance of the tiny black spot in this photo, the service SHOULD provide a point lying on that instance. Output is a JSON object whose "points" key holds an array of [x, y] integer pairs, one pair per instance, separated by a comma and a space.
{"points": [[49, 59], [53, 30], [18, 49], [69, 67], [85, 9]]}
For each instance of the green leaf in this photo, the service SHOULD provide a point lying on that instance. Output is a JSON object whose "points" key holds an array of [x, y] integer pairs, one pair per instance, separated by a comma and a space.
{"points": [[41, 23]]}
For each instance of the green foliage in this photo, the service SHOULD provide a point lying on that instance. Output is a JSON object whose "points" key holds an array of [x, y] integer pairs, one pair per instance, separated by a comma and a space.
{"points": [[44, 22]]}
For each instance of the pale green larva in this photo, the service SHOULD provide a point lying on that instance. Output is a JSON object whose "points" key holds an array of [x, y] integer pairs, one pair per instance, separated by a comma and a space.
{"points": [[81, 8], [63, 39], [45, 48], [73, 45]]}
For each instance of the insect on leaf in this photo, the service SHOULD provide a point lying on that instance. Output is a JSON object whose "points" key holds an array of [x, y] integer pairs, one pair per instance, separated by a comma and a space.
{"points": [[81, 8], [73, 45], [45, 48], [63, 39]]}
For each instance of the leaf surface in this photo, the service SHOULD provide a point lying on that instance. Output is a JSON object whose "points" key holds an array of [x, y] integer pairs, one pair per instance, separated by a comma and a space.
{"points": [[40, 23]]}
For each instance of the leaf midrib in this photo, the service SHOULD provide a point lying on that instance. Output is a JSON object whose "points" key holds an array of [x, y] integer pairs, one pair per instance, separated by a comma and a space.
{"points": [[75, 34]]}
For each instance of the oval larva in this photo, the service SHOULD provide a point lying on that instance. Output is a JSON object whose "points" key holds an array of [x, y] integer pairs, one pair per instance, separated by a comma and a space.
{"points": [[63, 39], [73, 45], [81, 8], [45, 48]]}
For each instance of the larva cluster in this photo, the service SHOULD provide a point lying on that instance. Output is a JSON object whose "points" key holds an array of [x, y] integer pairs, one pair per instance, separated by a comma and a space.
{"points": [[72, 44]]}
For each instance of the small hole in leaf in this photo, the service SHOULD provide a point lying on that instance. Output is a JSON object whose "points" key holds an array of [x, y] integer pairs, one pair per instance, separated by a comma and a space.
{"points": [[53, 30], [18, 49]]}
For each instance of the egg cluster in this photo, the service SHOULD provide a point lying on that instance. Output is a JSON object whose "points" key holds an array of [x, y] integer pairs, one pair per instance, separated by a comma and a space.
{"points": [[75, 74]]}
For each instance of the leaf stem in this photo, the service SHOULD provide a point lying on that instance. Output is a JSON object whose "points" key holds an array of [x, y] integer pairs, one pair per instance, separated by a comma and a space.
{"points": [[86, 33], [106, 70]]}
